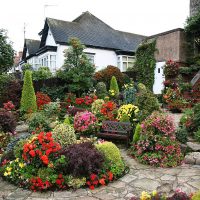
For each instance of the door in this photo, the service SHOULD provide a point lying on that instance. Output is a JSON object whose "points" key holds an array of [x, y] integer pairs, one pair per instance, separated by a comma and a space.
{"points": [[159, 78]]}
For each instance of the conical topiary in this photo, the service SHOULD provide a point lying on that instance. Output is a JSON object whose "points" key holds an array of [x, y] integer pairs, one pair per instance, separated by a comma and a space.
{"points": [[28, 99], [114, 86]]}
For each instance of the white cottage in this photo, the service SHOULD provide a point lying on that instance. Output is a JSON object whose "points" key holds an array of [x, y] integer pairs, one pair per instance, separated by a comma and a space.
{"points": [[104, 45]]}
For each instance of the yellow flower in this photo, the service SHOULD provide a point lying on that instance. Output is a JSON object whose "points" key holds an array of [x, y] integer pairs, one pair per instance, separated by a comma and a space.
{"points": [[21, 165], [5, 174], [154, 193], [9, 173], [8, 169], [145, 196], [17, 160]]}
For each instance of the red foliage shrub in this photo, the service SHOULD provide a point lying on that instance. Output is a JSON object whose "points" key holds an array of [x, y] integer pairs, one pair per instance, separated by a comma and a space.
{"points": [[106, 74], [7, 121]]}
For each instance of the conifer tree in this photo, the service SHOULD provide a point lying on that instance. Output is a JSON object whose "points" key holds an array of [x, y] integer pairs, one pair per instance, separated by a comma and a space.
{"points": [[28, 99], [114, 86]]}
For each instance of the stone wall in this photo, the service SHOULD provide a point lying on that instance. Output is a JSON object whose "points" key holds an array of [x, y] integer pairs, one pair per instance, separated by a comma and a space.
{"points": [[194, 6], [171, 45]]}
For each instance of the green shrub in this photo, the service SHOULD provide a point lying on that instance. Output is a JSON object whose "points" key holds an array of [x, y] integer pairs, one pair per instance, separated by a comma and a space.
{"points": [[28, 99], [67, 120], [112, 156], [196, 196], [64, 134], [52, 110], [137, 132], [75, 182], [147, 103], [101, 90], [42, 73], [182, 134], [18, 148], [197, 135], [141, 87], [38, 121], [55, 92], [97, 105], [186, 114], [114, 86]]}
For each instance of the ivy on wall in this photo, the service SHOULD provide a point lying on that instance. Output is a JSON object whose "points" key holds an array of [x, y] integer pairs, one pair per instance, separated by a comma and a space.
{"points": [[192, 29], [146, 63]]}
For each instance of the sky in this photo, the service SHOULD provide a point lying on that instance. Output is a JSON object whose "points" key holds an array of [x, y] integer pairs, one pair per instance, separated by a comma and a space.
{"points": [[145, 17]]}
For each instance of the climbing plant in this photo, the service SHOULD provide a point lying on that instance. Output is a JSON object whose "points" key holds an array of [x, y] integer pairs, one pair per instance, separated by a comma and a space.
{"points": [[192, 30], [146, 63]]}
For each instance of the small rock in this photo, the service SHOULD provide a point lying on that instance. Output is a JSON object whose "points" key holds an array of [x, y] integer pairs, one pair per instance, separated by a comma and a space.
{"points": [[189, 160], [22, 128], [194, 146]]}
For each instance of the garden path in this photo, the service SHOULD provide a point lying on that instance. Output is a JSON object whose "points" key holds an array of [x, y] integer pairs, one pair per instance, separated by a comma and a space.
{"points": [[140, 178]]}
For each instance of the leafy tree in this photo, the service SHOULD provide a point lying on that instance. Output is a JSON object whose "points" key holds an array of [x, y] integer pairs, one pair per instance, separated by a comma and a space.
{"points": [[77, 69], [42, 73], [28, 99], [6, 52]]}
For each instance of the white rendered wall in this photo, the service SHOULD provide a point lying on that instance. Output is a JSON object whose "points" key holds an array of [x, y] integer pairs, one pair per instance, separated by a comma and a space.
{"points": [[50, 40], [102, 58]]}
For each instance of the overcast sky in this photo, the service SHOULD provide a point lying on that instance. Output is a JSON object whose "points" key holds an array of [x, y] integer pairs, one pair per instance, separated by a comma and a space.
{"points": [[146, 17]]}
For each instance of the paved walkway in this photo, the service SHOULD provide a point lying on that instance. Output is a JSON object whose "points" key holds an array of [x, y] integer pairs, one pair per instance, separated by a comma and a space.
{"points": [[139, 178]]}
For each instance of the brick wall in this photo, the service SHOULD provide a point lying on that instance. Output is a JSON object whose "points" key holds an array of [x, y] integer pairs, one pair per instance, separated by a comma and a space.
{"points": [[171, 45]]}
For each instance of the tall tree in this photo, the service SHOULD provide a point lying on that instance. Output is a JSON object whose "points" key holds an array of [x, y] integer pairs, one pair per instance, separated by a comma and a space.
{"points": [[6, 52], [77, 69]]}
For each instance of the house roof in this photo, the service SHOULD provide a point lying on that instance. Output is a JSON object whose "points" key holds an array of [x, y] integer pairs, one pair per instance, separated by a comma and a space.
{"points": [[32, 46], [92, 32]]}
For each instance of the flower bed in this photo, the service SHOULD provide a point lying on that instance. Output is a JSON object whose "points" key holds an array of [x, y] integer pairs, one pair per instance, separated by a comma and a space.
{"points": [[42, 164], [157, 145]]}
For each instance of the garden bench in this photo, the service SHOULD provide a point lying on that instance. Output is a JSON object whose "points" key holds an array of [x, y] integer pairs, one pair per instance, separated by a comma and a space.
{"points": [[116, 130]]}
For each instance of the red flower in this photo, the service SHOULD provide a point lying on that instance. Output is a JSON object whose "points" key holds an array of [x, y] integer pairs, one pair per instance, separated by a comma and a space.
{"points": [[44, 159], [58, 182], [91, 187], [93, 177], [32, 153], [102, 181]]}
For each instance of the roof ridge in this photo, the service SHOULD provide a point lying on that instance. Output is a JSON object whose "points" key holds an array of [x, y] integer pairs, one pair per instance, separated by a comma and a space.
{"points": [[87, 12], [49, 18], [132, 33]]}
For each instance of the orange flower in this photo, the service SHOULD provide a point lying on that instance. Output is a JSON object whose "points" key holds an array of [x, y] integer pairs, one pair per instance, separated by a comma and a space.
{"points": [[102, 181]]}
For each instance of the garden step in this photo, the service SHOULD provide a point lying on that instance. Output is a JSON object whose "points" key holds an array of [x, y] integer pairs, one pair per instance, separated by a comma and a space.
{"points": [[194, 146], [192, 158]]}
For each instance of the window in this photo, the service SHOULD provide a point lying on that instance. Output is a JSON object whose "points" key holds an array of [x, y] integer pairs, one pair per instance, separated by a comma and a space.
{"points": [[90, 56], [125, 62], [53, 62]]}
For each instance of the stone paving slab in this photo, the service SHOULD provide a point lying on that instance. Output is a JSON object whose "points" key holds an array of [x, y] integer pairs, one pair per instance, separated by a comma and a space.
{"points": [[139, 178]]}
